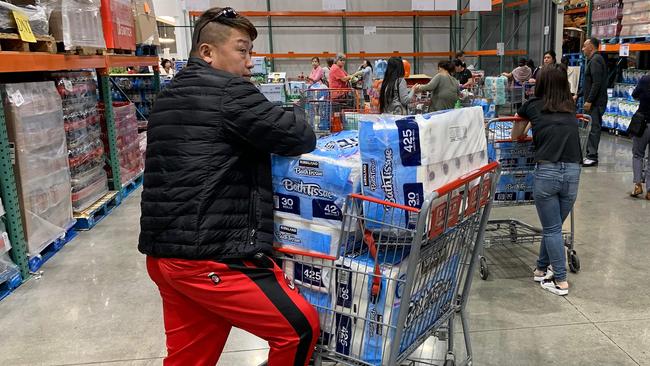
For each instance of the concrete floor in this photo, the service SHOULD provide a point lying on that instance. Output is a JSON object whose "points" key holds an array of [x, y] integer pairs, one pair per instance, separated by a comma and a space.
{"points": [[95, 305]]}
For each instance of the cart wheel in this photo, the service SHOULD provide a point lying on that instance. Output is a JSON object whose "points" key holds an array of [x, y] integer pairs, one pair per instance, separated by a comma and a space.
{"points": [[484, 271], [574, 262]]}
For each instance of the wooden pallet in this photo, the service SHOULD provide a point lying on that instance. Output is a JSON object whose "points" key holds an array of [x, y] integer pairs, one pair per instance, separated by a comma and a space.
{"points": [[80, 51], [116, 51], [91, 216], [12, 42]]}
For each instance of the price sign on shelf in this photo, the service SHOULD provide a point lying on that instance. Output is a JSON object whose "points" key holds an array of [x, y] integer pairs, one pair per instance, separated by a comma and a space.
{"points": [[624, 50], [334, 5], [24, 30], [501, 49], [480, 5], [369, 30]]}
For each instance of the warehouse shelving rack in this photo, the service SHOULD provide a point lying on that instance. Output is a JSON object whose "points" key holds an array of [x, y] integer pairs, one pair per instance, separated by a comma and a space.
{"points": [[455, 29], [26, 62]]}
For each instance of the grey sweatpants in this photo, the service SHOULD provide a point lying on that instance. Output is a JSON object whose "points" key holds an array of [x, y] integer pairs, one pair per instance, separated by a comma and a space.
{"points": [[639, 147]]}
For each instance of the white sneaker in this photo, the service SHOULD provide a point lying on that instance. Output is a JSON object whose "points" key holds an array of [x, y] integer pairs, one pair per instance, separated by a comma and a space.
{"points": [[551, 286], [547, 276], [589, 162]]}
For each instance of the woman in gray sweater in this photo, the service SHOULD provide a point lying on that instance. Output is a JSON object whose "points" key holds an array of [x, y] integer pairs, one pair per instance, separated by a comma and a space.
{"points": [[443, 87], [394, 95]]}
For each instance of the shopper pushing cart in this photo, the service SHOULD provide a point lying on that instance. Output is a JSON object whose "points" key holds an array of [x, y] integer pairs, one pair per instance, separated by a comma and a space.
{"points": [[555, 168]]}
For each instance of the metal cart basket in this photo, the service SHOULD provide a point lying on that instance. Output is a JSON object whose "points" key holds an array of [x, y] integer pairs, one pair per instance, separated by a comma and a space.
{"points": [[402, 275], [515, 188], [324, 107]]}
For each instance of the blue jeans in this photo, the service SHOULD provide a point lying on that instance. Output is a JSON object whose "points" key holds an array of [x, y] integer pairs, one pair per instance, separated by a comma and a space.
{"points": [[556, 189]]}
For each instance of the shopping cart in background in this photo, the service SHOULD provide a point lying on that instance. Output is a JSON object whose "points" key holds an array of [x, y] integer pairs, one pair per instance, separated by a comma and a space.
{"points": [[420, 104], [324, 107], [515, 188], [402, 275]]}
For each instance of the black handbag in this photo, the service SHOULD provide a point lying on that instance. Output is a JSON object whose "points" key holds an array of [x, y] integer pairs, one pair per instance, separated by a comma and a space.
{"points": [[637, 125]]}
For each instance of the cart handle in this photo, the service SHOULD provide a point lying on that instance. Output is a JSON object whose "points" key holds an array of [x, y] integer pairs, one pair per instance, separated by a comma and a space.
{"points": [[385, 203], [304, 253], [466, 178], [519, 119]]}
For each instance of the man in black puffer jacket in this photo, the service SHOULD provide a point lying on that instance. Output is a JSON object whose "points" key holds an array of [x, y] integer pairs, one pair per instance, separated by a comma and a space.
{"points": [[595, 94], [207, 220]]}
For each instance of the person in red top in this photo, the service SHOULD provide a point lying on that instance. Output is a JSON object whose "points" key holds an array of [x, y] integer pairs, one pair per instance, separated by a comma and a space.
{"points": [[338, 78]]}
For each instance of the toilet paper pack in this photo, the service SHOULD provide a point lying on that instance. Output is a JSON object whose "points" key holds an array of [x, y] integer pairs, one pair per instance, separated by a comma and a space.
{"points": [[307, 236], [515, 187], [360, 316], [314, 186], [512, 154], [404, 158], [314, 282]]}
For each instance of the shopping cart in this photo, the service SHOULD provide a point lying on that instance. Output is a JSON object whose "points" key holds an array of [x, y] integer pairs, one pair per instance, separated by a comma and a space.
{"points": [[515, 188], [402, 275], [324, 107]]}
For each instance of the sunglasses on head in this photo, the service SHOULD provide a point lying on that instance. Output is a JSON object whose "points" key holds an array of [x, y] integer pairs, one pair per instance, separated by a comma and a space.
{"points": [[228, 13]]}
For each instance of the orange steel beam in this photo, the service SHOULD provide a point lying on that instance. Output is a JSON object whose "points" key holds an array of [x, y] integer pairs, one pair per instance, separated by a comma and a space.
{"points": [[494, 53], [339, 14], [633, 47], [295, 55], [576, 11], [39, 61]]}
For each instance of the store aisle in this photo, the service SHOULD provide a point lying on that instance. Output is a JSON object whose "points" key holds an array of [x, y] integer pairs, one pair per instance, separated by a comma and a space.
{"points": [[95, 305]]}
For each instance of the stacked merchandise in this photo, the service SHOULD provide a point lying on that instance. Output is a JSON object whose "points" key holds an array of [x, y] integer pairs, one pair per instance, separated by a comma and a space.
{"points": [[146, 28], [36, 128], [405, 158], [636, 18], [399, 159], [495, 89], [128, 142], [310, 190], [620, 105], [76, 23], [78, 92], [140, 90], [380, 68], [37, 15], [606, 18], [9, 272], [118, 23]]}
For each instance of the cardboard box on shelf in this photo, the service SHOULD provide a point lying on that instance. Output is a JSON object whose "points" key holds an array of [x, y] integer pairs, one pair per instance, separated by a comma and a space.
{"points": [[76, 23], [146, 28], [118, 23]]}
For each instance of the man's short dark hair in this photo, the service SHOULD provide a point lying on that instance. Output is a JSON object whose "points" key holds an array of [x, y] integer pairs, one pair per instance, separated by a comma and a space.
{"points": [[595, 42], [460, 54], [215, 30]]}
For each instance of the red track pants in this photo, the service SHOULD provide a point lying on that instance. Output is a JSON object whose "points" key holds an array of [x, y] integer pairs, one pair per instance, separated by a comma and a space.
{"points": [[203, 300]]}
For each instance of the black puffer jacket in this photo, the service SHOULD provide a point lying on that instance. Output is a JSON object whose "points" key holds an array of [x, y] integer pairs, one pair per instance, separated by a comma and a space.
{"points": [[207, 181]]}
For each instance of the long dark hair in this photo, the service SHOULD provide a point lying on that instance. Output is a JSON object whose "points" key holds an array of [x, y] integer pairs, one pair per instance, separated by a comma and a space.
{"points": [[367, 63], [394, 72], [554, 90]]}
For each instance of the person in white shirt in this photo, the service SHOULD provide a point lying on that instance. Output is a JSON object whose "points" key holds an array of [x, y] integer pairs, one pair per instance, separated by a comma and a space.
{"points": [[167, 68]]}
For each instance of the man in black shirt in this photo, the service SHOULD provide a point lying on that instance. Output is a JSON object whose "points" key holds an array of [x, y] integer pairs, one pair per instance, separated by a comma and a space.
{"points": [[595, 94], [464, 76]]}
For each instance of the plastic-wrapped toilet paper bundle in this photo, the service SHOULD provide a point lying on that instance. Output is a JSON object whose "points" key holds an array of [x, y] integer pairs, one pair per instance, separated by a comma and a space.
{"points": [[315, 283], [495, 89], [359, 315], [306, 236], [515, 187], [512, 154], [310, 191], [405, 158]]}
